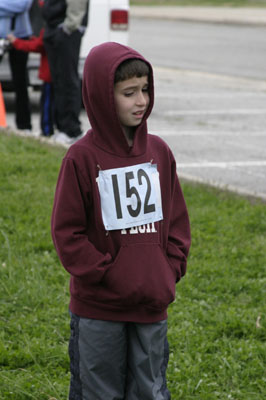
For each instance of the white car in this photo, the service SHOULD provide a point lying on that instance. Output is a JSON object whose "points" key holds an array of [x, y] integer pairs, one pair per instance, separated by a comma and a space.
{"points": [[108, 20]]}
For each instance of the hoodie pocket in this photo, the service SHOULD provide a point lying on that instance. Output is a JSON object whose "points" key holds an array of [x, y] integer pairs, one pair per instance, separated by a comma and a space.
{"points": [[140, 274]]}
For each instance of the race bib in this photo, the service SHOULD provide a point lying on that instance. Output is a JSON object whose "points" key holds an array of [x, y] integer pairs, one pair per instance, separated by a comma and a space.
{"points": [[130, 196]]}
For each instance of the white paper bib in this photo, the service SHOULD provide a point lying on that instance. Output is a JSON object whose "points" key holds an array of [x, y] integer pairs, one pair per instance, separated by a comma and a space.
{"points": [[130, 196]]}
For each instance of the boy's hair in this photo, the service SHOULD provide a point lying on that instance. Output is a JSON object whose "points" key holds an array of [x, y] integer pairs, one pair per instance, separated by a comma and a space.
{"points": [[131, 68]]}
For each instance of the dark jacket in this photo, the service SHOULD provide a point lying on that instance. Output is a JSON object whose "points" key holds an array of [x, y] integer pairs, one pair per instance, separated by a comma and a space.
{"points": [[126, 274], [54, 12], [71, 16]]}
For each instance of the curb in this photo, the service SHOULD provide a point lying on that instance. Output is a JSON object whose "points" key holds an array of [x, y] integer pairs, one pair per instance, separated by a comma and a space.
{"points": [[222, 186], [221, 15]]}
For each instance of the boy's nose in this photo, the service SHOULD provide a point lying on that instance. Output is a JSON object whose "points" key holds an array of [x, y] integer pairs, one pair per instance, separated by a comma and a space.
{"points": [[142, 98]]}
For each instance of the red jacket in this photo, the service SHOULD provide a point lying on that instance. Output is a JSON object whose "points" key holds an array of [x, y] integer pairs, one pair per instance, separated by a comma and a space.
{"points": [[124, 274], [35, 44]]}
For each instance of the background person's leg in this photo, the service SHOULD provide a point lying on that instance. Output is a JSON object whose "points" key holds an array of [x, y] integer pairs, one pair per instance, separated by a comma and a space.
{"points": [[18, 65], [69, 87], [63, 55]]}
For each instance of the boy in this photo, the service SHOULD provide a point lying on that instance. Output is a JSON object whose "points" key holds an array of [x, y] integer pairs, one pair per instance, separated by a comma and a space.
{"points": [[120, 227]]}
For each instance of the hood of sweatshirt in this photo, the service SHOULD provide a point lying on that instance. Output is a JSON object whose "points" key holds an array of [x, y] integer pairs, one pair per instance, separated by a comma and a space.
{"points": [[98, 98]]}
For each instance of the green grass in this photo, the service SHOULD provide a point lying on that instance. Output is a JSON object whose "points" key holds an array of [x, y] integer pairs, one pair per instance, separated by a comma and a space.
{"points": [[217, 350], [215, 3]]}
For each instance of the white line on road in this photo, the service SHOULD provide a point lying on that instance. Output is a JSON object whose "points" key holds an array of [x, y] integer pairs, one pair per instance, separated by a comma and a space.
{"points": [[209, 95], [237, 111], [222, 164], [210, 133], [234, 81]]}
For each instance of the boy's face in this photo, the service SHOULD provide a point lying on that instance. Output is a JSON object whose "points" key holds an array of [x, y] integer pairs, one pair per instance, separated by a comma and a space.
{"points": [[131, 100]]}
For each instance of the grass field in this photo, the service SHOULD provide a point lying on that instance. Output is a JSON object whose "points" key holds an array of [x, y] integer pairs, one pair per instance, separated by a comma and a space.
{"points": [[216, 325], [218, 3]]}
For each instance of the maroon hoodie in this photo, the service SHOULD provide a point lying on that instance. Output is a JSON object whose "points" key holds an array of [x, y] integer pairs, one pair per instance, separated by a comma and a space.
{"points": [[122, 274]]}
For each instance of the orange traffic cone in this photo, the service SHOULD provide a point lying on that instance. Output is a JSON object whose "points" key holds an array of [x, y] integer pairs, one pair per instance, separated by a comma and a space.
{"points": [[2, 110]]}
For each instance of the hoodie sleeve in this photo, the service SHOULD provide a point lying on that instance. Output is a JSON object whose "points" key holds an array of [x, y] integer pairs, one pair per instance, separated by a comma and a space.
{"points": [[68, 226], [34, 44], [179, 237], [10, 8]]}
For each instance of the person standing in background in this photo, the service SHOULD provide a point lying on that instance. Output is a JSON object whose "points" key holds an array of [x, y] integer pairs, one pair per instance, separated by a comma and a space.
{"points": [[35, 44], [65, 23], [14, 18]]}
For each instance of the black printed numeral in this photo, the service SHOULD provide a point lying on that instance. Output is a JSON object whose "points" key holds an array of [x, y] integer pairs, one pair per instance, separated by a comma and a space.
{"points": [[117, 197], [132, 191], [147, 207]]}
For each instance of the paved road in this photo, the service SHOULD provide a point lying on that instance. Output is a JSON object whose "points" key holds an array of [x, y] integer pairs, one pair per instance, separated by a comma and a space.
{"points": [[235, 50], [215, 126], [210, 98]]}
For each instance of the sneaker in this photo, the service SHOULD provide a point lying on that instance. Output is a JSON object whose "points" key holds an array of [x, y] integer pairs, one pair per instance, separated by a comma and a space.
{"points": [[62, 138], [24, 132], [36, 133]]}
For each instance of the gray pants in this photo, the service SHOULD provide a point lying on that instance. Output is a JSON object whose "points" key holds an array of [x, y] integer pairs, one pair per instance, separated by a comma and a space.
{"points": [[118, 360]]}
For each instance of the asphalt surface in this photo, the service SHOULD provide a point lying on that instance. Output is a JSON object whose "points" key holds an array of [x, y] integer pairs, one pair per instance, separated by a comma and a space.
{"points": [[224, 49], [210, 103], [214, 123], [215, 126]]}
